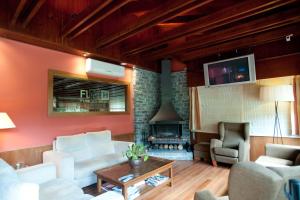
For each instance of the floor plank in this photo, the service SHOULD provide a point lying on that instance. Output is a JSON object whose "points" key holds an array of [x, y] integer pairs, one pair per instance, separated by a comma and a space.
{"points": [[189, 177]]}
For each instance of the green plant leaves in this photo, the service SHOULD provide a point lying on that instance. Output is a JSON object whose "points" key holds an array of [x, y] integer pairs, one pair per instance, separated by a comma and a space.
{"points": [[136, 151]]}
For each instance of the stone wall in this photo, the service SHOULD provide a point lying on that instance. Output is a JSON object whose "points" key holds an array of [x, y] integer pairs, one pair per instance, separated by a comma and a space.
{"points": [[180, 98], [146, 100]]}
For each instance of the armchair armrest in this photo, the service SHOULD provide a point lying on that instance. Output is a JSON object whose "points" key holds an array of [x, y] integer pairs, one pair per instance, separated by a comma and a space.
{"points": [[244, 150], [25, 191], [121, 146], [287, 172], [213, 144], [38, 173], [64, 163], [204, 195], [288, 152]]}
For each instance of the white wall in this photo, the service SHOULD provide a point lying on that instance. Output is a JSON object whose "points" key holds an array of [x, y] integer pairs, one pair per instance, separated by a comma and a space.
{"points": [[241, 103]]}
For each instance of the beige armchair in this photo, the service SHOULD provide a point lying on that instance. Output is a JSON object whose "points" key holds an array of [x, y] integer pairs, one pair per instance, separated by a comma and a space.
{"points": [[278, 155], [233, 145], [249, 181]]}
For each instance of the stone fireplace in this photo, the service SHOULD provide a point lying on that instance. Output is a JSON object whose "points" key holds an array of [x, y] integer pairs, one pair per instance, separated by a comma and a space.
{"points": [[164, 131], [166, 125]]}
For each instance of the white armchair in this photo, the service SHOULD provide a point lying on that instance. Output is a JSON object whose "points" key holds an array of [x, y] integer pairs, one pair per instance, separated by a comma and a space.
{"points": [[37, 182]]}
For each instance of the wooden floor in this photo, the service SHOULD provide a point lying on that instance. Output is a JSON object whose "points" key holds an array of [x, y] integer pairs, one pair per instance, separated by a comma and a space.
{"points": [[189, 177]]}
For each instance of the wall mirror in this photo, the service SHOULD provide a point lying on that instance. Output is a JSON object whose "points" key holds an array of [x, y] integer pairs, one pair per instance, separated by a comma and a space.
{"points": [[74, 94]]}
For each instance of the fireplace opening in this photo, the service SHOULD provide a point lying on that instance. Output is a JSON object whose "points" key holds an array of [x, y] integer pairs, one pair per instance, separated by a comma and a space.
{"points": [[167, 130]]}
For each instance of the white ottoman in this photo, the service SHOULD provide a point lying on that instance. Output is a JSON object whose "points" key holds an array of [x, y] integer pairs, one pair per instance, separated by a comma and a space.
{"points": [[110, 195]]}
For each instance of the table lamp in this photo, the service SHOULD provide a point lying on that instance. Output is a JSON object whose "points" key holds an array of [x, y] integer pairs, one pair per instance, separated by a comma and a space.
{"points": [[5, 121], [276, 94]]}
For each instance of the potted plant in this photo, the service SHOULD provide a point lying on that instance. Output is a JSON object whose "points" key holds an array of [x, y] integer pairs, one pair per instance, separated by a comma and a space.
{"points": [[136, 155]]}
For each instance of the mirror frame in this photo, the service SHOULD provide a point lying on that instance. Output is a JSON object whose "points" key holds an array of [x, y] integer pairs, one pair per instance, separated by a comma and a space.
{"points": [[52, 73]]}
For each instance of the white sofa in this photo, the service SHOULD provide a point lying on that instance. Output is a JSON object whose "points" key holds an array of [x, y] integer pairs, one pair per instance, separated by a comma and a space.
{"points": [[78, 156], [39, 182]]}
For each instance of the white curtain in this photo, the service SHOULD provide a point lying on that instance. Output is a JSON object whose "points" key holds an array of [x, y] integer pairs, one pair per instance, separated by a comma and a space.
{"points": [[195, 105]]}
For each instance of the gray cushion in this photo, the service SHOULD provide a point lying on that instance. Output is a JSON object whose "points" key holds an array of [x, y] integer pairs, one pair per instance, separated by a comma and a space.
{"points": [[297, 160], [233, 134], [226, 159], [227, 152], [269, 161]]}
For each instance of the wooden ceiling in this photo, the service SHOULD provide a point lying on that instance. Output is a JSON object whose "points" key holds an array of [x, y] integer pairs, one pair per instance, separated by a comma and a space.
{"points": [[144, 31]]}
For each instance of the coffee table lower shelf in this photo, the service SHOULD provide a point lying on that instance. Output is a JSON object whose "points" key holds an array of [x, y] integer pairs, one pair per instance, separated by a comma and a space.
{"points": [[153, 166], [145, 188]]}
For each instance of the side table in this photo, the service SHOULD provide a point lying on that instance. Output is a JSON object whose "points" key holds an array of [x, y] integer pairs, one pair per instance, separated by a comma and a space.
{"points": [[202, 151]]}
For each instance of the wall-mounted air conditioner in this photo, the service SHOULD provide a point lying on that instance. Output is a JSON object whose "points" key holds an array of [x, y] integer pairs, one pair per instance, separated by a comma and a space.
{"points": [[98, 67]]}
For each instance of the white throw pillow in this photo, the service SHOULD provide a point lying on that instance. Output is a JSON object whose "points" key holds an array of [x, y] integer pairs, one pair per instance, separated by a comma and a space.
{"points": [[100, 143], [75, 145]]}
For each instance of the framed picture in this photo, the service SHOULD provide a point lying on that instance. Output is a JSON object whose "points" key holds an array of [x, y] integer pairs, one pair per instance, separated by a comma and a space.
{"points": [[104, 95]]}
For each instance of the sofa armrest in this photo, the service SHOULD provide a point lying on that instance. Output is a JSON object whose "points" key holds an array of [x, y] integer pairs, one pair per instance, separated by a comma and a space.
{"points": [[204, 195], [38, 173], [64, 163], [287, 152], [213, 144], [121, 146]]}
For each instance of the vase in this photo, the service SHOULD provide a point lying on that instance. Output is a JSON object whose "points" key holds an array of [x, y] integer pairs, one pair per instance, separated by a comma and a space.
{"points": [[136, 163]]}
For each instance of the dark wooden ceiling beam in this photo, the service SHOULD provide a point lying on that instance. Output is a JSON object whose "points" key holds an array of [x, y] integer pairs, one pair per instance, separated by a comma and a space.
{"points": [[223, 17], [158, 15], [253, 27], [106, 12], [249, 41], [85, 18], [18, 11], [33, 12]]}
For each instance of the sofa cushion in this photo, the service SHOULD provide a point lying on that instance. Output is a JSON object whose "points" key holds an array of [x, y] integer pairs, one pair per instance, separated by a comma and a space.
{"points": [[60, 189], [269, 161], [105, 136], [75, 145], [100, 143], [87, 167], [227, 152], [297, 160]]}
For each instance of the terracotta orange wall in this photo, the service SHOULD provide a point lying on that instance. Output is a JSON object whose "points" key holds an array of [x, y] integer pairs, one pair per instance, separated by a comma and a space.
{"points": [[23, 88]]}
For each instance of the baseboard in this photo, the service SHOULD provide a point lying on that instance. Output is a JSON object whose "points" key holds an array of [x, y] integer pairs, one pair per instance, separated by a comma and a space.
{"points": [[128, 137]]}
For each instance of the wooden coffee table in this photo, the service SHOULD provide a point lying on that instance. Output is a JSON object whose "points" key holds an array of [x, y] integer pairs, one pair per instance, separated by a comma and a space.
{"points": [[150, 168]]}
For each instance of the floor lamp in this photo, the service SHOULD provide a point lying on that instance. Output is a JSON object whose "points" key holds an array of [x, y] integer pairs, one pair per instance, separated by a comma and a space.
{"points": [[276, 94], [5, 121]]}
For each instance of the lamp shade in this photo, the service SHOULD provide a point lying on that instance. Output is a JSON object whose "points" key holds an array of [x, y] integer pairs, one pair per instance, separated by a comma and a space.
{"points": [[277, 93], [5, 121]]}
